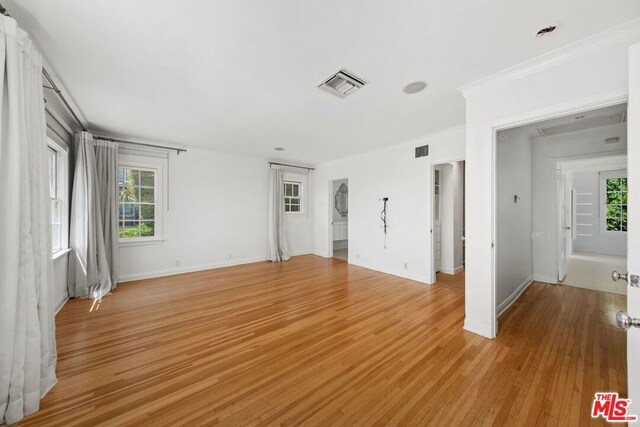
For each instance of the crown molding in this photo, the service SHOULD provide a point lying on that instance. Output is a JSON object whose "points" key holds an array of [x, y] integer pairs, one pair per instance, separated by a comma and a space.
{"points": [[624, 33]]}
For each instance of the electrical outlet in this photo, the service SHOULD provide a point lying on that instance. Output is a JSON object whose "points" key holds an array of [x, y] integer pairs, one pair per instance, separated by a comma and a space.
{"points": [[177, 263], [357, 256], [230, 256], [406, 266]]}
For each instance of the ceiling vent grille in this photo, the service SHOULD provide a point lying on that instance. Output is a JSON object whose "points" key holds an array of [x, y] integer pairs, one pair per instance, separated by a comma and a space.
{"points": [[422, 151], [342, 84]]}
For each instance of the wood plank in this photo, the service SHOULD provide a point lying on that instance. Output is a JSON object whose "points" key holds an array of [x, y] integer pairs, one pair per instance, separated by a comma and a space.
{"points": [[316, 341]]}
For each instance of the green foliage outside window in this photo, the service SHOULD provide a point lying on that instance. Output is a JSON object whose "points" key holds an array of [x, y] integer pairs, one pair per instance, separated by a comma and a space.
{"points": [[616, 204]]}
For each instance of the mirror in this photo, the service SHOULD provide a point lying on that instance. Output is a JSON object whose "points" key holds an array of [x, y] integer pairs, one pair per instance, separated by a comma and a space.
{"points": [[342, 200]]}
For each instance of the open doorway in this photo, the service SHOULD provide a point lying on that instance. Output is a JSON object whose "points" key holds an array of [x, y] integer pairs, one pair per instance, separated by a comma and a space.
{"points": [[340, 219], [448, 225], [561, 212]]}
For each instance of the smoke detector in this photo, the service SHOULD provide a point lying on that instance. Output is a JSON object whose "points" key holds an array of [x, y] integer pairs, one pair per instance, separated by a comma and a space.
{"points": [[342, 84]]}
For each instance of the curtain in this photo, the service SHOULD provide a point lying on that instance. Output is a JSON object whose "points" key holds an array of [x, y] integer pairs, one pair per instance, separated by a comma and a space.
{"points": [[93, 230], [278, 250], [27, 327]]}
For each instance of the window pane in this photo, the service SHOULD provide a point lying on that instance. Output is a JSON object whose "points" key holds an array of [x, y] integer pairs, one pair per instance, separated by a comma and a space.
{"points": [[295, 208], [147, 228], [147, 211], [131, 229], [296, 190], [52, 165], [133, 177], [121, 174], [131, 211], [287, 189], [147, 178], [295, 202], [146, 195]]}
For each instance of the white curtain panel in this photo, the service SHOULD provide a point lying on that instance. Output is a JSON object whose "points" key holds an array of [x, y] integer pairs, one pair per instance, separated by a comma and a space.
{"points": [[93, 229], [107, 180], [278, 250], [27, 328]]}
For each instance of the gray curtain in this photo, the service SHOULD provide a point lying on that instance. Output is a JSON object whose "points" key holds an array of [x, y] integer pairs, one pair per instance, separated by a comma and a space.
{"points": [[278, 249], [93, 229], [27, 327]]}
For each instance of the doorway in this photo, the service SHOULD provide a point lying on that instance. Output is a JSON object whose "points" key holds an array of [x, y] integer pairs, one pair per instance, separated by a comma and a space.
{"points": [[448, 238], [560, 204], [340, 219]]}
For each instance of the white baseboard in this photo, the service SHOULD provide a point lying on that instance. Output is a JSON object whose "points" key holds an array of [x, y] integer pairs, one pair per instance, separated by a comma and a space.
{"points": [[455, 270], [544, 279], [61, 304], [189, 269], [402, 273], [478, 328], [514, 296]]}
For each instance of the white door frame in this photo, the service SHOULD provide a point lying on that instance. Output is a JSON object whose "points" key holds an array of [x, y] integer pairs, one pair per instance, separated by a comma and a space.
{"points": [[557, 162], [577, 106], [331, 207], [432, 198]]}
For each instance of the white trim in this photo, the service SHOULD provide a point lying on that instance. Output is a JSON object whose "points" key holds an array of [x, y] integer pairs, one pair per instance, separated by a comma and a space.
{"points": [[603, 176], [575, 106], [189, 269], [452, 270], [624, 33], [544, 279], [478, 328], [514, 296], [331, 207], [61, 304], [59, 254], [402, 273], [159, 167], [411, 142]]}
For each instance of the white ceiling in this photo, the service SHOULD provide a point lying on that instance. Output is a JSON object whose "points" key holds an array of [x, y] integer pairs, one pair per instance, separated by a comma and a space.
{"points": [[240, 76], [571, 123]]}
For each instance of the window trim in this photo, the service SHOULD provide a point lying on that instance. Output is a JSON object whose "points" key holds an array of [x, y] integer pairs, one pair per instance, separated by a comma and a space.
{"points": [[604, 176], [300, 196], [302, 180], [62, 195], [158, 166]]}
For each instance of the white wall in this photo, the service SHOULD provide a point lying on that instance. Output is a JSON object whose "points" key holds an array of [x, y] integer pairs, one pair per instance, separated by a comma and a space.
{"points": [[393, 173], [585, 75], [514, 264], [451, 199], [547, 152], [218, 216]]}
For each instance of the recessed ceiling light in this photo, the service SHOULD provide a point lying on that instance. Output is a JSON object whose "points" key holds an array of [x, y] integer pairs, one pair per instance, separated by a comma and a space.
{"points": [[280, 149], [546, 31], [578, 118], [415, 87]]}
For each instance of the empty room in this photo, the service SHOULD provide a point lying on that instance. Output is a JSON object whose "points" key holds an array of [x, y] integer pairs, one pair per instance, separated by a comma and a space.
{"points": [[319, 213]]}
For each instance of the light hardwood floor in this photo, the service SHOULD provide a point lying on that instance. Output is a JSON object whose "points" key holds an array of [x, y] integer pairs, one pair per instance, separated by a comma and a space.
{"points": [[316, 341]]}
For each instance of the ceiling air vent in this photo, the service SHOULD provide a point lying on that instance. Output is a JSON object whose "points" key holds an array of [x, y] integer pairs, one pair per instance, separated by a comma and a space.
{"points": [[342, 83], [422, 151]]}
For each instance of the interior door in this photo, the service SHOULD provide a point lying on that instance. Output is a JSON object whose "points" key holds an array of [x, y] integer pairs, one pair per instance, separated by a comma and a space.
{"points": [[437, 231], [633, 227], [564, 223]]}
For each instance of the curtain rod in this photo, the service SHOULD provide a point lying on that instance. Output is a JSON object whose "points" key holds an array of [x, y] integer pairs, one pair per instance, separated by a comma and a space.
{"points": [[104, 138], [292, 166]]}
